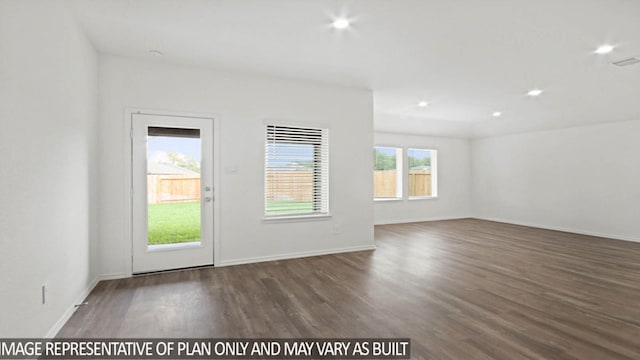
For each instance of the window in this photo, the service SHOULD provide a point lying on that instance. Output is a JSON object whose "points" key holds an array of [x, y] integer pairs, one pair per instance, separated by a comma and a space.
{"points": [[387, 173], [422, 173], [296, 171]]}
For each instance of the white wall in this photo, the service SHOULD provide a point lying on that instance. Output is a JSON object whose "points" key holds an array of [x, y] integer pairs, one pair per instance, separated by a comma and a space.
{"points": [[48, 115], [241, 103], [582, 179], [453, 173]]}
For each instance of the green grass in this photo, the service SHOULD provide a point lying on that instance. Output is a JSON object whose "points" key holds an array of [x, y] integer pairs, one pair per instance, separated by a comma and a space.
{"points": [[174, 223], [289, 207]]}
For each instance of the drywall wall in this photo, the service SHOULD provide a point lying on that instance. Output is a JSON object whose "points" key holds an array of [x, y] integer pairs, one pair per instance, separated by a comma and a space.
{"points": [[454, 192], [241, 104], [48, 114], [581, 179]]}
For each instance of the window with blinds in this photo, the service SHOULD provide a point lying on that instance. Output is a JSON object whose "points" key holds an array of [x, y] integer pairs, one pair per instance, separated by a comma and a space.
{"points": [[296, 171]]}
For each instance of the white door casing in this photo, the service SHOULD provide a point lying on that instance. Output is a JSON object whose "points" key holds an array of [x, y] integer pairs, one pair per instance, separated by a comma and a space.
{"points": [[147, 258]]}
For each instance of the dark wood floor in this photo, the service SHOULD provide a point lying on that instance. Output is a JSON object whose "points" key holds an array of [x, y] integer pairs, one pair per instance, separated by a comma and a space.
{"points": [[460, 289]]}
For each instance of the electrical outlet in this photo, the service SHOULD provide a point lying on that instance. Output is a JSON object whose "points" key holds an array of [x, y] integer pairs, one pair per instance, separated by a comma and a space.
{"points": [[45, 290]]}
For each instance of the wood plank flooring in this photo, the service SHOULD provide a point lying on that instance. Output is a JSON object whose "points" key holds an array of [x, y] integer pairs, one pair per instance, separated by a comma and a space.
{"points": [[460, 289]]}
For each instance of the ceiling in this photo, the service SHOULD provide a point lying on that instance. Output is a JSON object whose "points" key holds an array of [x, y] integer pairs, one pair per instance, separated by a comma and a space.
{"points": [[466, 58]]}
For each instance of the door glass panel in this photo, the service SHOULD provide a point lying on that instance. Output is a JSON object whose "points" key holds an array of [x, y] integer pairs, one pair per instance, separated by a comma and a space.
{"points": [[173, 187]]}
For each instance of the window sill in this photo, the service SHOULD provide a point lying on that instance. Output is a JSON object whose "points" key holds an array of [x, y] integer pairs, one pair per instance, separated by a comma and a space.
{"points": [[423, 198], [295, 218], [387, 199]]}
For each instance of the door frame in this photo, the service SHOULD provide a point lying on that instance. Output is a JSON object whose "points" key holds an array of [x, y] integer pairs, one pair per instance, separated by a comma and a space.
{"points": [[128, 180]]}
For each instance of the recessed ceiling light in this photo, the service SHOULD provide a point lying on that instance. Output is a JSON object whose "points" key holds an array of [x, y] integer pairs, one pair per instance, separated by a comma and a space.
{"points": [[534, 92], [496, 114], [423, 104], [155, 53], [604, 49], [341, 23]]}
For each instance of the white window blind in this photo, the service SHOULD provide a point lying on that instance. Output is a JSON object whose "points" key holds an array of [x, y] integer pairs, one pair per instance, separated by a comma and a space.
{"points": [[296, 171]]}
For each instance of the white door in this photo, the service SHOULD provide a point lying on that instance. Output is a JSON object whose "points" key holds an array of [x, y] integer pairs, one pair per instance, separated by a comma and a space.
{"points": [[172, 195]]}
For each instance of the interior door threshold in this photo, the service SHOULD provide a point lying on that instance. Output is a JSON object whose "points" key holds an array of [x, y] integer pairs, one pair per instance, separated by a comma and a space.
{"points": [[173, 270]]}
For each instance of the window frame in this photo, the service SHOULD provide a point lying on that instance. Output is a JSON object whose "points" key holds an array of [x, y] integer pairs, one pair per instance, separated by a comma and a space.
{"points": [[404, 173], [434, 173], [400, 178], [321, 164]]}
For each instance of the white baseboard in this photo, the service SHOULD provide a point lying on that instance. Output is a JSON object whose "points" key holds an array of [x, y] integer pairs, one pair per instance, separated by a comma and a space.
{"points": [[53, 331], [113, 276], [67, 315], [560, 228], [294, 255], [414, 220]]}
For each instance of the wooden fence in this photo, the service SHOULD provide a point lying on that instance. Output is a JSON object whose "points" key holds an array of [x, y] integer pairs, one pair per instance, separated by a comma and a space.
{"points": [[385, 183], [172, 188], [286, 186], [290, 185], [420, 183]]}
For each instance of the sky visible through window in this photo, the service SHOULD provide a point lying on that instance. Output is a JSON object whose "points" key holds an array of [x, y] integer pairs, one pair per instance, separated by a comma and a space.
{"points": [[159, 146], [414, 153], [284, 155], [419, 154], [386, 151]]}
